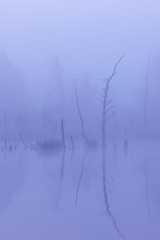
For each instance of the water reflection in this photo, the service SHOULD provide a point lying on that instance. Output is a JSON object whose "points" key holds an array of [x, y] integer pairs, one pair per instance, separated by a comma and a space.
{"points": [[47, 187], [12, 177]]}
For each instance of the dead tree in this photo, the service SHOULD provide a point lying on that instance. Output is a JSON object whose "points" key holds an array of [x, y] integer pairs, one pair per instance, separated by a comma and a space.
{"points": [[107, 106], [72, 143], [81, 118], [64, 148], [146, 92], [59, 78], [63, 163], [63, 137], [5, 128], [125, 140]]}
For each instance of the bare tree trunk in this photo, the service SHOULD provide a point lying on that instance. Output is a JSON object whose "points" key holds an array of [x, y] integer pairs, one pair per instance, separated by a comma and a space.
{"points": [[72, 143], [125, 140], [64, 148], [106, 108], [146, 92], [59, 76], [62, 130], [81, 118], [63, 162], [5, 127]]}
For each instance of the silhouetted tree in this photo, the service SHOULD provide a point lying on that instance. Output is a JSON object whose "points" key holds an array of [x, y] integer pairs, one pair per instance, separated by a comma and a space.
{"points": [[107, 106]]}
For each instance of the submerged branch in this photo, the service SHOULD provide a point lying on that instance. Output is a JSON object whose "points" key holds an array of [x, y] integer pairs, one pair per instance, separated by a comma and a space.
{"points": [[110, 214], [147, 191], [80, 178]]}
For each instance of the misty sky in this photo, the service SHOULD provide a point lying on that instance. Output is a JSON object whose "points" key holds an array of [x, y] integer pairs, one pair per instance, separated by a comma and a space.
{"points": [[56, 182], [88, 36]]}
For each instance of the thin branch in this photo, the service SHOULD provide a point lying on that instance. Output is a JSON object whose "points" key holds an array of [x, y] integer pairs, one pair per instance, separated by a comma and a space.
{"points": [[80, 116], [146, 91], [72, 142], [22, 140], [109, 109], [114, 69], [100, 100], [62, 131], [109, 101], [108, 118], [62, 164]]}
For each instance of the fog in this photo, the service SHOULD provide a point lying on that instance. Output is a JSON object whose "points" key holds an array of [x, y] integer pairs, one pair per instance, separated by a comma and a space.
{"points": [[79, 119]]}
